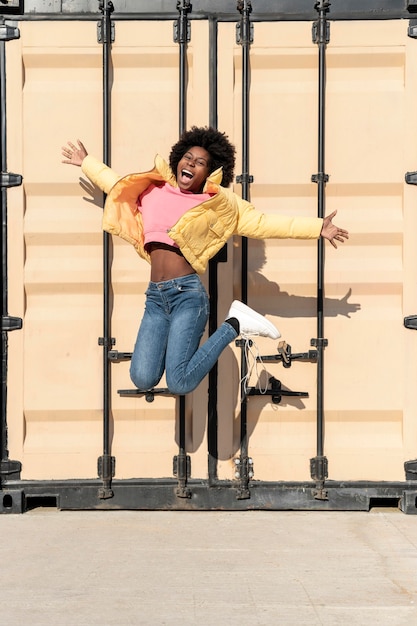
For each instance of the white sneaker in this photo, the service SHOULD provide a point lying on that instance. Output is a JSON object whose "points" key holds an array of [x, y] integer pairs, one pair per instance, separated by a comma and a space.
{"points": [[251, 322]]}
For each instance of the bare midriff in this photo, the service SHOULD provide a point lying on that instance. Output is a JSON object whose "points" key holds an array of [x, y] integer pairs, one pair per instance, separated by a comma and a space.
{"points": [[167, 262]]}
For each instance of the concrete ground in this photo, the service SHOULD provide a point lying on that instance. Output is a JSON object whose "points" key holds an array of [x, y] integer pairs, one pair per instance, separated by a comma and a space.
{"points": [[250, 568]]}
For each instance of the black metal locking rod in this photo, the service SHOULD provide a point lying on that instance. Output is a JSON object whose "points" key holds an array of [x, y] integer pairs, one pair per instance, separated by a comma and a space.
{"points": [[318, 465], [182, 461], [3, 251], [245, 9], [212, 413], [182, 37], [106, 463]]}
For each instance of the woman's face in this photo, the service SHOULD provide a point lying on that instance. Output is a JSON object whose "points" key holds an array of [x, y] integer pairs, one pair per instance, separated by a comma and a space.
{"points": [[193, 169]]}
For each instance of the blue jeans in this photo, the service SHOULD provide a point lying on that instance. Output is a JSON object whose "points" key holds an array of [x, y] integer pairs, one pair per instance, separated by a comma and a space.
{"points": [[176, 314]]}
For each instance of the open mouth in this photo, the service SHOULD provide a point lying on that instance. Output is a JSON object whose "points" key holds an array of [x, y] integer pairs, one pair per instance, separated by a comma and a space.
{"points": [[187, 174]]}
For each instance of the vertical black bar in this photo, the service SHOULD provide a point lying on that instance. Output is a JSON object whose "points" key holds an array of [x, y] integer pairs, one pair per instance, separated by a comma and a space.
{"points": [[106, 463], [8, 468], [245, 8], [184, 8], [212, 414], [4, 267], [321, 34]]}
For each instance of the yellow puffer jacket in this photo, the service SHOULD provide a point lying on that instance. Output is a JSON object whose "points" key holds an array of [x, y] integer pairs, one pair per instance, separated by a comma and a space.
{"points": [[202, 231]]}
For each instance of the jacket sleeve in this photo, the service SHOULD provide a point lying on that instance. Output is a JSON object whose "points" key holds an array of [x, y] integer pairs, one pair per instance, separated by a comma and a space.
{"points": [[99, 173], [257, 225]]}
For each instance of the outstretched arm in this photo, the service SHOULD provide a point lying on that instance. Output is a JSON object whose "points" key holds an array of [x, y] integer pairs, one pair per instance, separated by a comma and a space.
{"points": [[333, 233], [97, 172], [74, 155]]}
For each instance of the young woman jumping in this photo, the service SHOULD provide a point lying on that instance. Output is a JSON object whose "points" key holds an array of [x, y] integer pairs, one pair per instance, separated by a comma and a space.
{"points": [[178, 216]]}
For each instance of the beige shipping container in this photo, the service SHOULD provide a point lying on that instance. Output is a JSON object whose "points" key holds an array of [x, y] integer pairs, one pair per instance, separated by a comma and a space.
{"points": [[55, 386]]}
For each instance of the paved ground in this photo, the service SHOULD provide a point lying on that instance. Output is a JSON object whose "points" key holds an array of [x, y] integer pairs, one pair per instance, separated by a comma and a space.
{"points": [[252, 568]]}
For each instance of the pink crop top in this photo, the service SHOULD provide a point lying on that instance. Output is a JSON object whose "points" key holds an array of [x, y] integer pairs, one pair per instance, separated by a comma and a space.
{"points": [[162, 207]]}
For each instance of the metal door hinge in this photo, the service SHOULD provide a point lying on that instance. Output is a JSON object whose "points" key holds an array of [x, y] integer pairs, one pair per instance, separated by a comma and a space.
{"points": [[10, 469], [411, 322], [7, 179], [410, 468], [8, 32], [411, 178], [9, 323], [412, 29]]}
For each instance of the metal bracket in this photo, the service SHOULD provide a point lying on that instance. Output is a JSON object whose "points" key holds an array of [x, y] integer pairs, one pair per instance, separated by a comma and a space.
{"points": [[106, 341], [116, 357], [106, 469], [410, 468], [182, 27], [181, 465], [106, 466], [239, 38], [411, 178], [244, 471], [181, 468], [7, 179], [178, 35], [316, 34], [107, 9], [411, 322], [246, 467], [319, 472], [321, 28], [321, 177], [10, 469], [319, 467], [276, 391], [244, 178], [149, 395], [7, 32], [412, 29], [100, 37], [244, 29], [9, 323], [286, 356], [319, 342]]}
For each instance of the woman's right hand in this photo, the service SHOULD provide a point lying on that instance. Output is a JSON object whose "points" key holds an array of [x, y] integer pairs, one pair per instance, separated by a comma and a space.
{"points": [[74, 155]]}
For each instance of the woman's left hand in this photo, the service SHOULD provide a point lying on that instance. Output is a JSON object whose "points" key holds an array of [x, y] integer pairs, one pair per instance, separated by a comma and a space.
{"points": [[333, 233], [74, 155]]}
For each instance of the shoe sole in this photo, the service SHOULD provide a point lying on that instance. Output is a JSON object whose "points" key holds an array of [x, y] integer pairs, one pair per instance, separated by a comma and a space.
{"points": [[273, 331]]}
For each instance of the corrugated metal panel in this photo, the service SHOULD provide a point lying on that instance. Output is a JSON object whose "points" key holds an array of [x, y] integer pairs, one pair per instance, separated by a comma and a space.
{"points": [[370, 280], [55, 365]]}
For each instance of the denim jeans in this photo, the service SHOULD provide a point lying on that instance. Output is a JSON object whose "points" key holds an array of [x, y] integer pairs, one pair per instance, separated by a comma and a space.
{"points": [[176, 314]]}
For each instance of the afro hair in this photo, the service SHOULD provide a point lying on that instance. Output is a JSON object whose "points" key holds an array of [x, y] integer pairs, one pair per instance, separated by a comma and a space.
{"points": [[217, 144]]}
